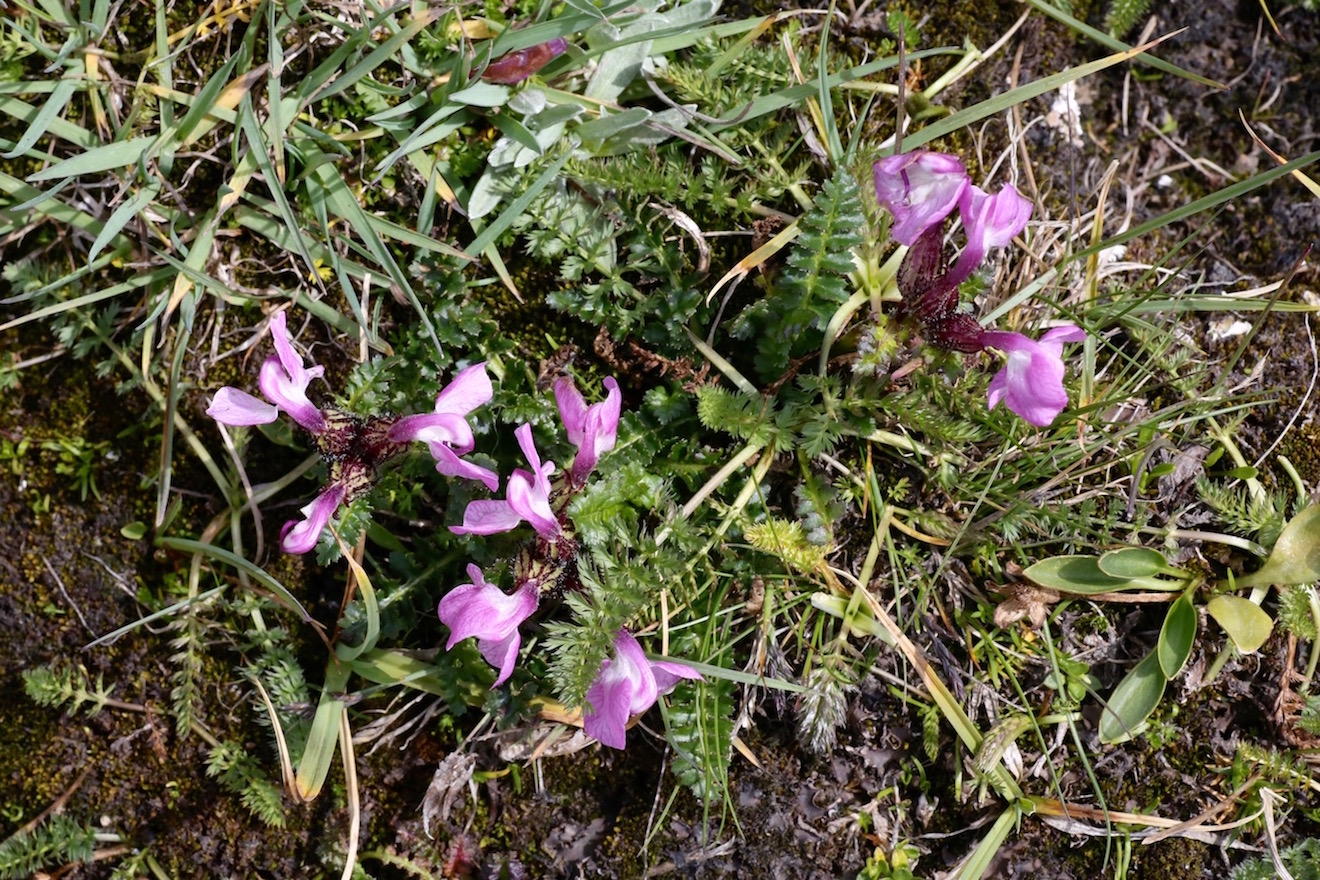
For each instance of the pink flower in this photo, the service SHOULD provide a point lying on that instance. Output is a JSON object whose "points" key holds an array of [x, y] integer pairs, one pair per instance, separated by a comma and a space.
{"points": [[446, 431], [486, 612], [989, 221], [592, 429], [527, 498], [515, 67], [301, 536], [625, 686], [283, 379], [919, 188], [1031, 383]]}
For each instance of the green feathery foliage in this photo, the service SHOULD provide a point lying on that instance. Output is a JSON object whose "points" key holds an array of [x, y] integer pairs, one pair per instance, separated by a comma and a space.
{"points": [[57, 841], [1295, 614], [1123, 15], [745, 416], [700, 719], [57, 686], [1302, 861], [239, 772], [813, 284], [616, 586], [1245, 513], [187, 661], [786, 540]]}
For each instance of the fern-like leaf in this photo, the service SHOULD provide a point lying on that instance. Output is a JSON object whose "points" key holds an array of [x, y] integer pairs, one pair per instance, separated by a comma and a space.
{"points": [[700, 720]]}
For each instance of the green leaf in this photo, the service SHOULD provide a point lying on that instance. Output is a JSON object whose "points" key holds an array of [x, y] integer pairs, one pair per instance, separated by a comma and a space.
{"points": [[1082, 576], [121, 216], [134, 531], [1133, 700], [282, 594], [96, 160], [1295, 558], [1244, 621], [1133, 562], [314, 765], [481, 94], [1177, 636], [49, 112]]}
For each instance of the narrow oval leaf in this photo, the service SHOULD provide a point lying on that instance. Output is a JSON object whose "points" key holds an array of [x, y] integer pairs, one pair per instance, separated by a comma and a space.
{"points": [[314, 764], [1295, 558], [1177, 636], [1082, 576], [1133, 562], [1133, 700], [1244, 621]]}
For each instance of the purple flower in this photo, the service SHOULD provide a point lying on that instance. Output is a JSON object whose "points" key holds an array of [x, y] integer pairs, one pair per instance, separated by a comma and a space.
{"points": [[592, 429], [485, 611], [627, 685], [989, 221], [283, 380], [919, 188], [1031, 383], [527, 498], [301, 536], [515, 67], [446, 431], [352, 446]]}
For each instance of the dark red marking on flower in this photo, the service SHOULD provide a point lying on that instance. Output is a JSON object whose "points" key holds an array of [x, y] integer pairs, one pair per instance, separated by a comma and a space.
{"points": [[517, 66]]}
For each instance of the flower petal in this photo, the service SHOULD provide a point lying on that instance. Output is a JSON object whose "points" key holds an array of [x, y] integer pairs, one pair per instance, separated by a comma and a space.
{"points": [[230, 406], [989, 221], [290, 395], [299, 537], [449, 464], [919, 188], [487, 517], [668, 674], [469, 389], [609, 707], [484, 611], [1031, 382], [434, 428], [515, 67], [531, 503]]}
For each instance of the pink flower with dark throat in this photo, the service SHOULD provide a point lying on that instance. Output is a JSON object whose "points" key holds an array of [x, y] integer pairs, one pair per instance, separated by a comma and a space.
{"points": [[919, 188], [483, 611], [446, 432], [989, 221], [592, 429], [283, 380], [353, 447], [527, 497], [627, 685], [1031, 382]]}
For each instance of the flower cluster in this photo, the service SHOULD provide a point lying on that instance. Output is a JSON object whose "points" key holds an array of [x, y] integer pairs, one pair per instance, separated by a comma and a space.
{"points": [[484, 611], [353, 447], [921, 189], [626, 685]]}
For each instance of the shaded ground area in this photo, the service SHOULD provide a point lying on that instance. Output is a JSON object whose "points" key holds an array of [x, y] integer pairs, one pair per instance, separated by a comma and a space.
{"points": [[68, 574]]}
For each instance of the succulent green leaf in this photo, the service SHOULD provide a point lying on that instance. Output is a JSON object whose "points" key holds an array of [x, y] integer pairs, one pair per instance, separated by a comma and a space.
{"points": [[1133, 700], [1177, 636], [1295, 558], [1133, 562], [1082, 576], [1244, 621]]}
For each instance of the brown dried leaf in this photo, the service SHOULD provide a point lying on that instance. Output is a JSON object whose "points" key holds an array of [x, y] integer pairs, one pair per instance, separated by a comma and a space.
{"points": [[1024, 600]]}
